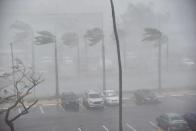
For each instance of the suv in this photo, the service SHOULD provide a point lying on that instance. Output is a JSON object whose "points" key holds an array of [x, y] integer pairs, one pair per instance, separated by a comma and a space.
{"points": [[110, 97], [172, 122], [70, 101], [191, 119], [145, 96], [93, 99]]}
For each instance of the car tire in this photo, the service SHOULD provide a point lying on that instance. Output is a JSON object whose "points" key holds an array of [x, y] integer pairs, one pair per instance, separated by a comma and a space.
{"points": [[158, 124]]}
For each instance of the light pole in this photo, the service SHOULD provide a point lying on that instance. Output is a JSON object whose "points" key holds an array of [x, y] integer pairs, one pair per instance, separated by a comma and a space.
{"points": [[119, 65]]}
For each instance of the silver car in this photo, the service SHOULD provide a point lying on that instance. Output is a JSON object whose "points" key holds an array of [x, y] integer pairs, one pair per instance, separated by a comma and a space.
{"points": [[93, 99]]}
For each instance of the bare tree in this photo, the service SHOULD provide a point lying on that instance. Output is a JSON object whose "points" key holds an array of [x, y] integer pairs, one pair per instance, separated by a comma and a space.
{"points": [[25, 81]]}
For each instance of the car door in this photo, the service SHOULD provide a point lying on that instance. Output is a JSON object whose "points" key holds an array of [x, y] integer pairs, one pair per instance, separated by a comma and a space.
{"points": [[85, 99], [163, 121]]}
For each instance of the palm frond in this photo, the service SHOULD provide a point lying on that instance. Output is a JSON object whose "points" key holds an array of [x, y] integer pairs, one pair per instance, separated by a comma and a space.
{"points": [[70, 39], [44, 37], [151, 34], [94, 36]]}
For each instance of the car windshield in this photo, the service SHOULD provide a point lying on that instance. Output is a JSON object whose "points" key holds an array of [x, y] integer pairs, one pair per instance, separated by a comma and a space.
{"points": [[176, 118], [181, 125], [110, 94], [94, 95]]}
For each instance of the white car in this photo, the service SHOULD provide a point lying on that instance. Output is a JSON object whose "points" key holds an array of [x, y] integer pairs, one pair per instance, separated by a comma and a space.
{"points": [[110, 97], [93, 99]]}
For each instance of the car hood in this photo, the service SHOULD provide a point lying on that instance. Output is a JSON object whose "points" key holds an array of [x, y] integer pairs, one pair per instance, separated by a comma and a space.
{"points": [[116, 98], [95, 99], [179, 121]]}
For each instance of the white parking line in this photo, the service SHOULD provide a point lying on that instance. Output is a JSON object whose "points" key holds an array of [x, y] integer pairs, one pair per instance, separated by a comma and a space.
{"points": [[4, 108], [161, 96], [49, 104], [191, 94], [41, 109], [153, 124], [79, 129], [130, 127], [19, 110], [105, 127], [176, 95]]}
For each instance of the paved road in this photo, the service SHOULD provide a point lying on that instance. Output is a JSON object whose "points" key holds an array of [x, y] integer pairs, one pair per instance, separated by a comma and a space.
{"points": [[135, 117]]}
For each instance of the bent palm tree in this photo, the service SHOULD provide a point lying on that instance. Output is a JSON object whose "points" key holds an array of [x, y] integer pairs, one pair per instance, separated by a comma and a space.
{"points": [[71, 39], [43, 38], [23, 33], [94, 36], [154, 35]]}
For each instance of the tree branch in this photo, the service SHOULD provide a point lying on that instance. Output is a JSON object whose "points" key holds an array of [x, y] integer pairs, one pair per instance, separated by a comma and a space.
{"points": [[25, 111]]}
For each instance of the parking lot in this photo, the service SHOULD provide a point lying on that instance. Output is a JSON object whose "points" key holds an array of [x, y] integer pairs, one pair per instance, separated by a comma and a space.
{"points": [[52, 117]]}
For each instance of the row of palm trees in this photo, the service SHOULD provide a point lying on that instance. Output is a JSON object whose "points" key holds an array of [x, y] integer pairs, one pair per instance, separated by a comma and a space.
{"points": [[92, 37]]}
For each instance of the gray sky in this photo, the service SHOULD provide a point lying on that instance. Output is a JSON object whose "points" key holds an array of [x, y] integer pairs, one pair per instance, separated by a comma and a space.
{"points": [[60, 16], [44, 14]]}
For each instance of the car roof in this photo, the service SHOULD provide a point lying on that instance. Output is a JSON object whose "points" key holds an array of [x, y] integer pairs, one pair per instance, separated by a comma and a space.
{"points": [[92, 92], [109, 91], [172, 115]]}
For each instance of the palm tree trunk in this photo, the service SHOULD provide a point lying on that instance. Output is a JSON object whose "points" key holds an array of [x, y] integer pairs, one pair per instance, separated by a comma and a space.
{"points": [[78, 59], [159, 66], [13, 72], [103, 64], [56, 69], [33, 64], [86, 52], [119, 65], [167, 55]]}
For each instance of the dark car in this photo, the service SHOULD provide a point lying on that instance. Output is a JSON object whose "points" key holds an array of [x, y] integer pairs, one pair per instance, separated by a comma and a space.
{"points": [[172, 122], [145, 96], [191, 119], [70, 101]]}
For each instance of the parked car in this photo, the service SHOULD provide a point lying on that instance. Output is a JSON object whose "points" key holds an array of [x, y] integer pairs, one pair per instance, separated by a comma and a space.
{"points": [[110, 97], [70, 101], [172, 122], [191, 119], [93, 99], [145, 96]]}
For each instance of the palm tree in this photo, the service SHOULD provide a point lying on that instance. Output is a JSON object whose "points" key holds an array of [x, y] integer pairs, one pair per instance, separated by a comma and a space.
{"points": [[155, 35], [23, 33], [119, 64], [95, 36], [44, 38], [71, 39]]}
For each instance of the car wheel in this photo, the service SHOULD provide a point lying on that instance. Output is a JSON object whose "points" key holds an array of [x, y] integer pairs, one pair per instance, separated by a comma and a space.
{"points": [[158, 124]]}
